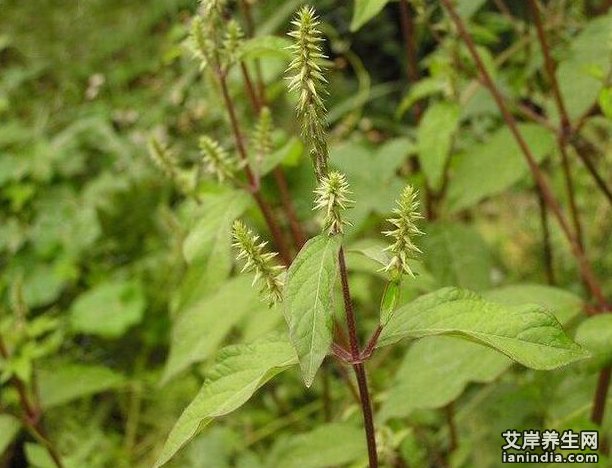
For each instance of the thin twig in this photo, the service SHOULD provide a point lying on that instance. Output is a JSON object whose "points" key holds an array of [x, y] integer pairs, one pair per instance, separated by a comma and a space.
{"points": [[449, 411], [567, 129], [540, 179], [565, 124], [548, 252]]}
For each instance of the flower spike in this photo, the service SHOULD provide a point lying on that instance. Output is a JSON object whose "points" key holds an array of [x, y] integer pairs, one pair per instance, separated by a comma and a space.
{"points": [[403, 249], [332, 198], [216, 160], [259, 261], [307, 79]]}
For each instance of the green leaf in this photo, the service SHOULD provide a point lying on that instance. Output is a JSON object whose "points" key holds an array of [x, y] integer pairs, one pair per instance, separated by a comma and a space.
{"points": [[605, 102], [201, 328], [372, 175], [595, 334], [436, 370], [240, 370], [209, 240], [109, 309], [262, 46], [456, 255], [364, 11], [419, 90], [527, 334], [332, 444], [434, 139], [467, 8], [581, 75], [491, 167], [308, 302], [9, 428], [73, 381], [562, 304], [291, 150]]}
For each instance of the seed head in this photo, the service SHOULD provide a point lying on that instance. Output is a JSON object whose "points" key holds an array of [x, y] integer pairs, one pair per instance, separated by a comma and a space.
{"points": [[306, 70], [232, 42], [201, 41], [402, 249], [332, 198], [259, 261], [162, 157], [216, 159], [262, 134]]}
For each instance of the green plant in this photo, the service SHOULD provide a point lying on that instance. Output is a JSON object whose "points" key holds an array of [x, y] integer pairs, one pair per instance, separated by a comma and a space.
{"points": [[528, 334], [433, 175]]}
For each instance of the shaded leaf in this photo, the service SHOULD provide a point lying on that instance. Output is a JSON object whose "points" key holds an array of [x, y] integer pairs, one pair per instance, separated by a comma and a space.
{"points": [[240, 370], [434, 138], [109, 309], [201, 327], [595, 334], [457, 256], [582, 73], [436, 370], [73, 381], [364, 11], [491, 167], [261, 46], [209, 240], [331, 444], [9, 428]]}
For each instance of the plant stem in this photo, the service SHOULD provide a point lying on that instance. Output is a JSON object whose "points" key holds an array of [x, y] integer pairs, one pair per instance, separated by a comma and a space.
{"points": [[253, 181], [548, 252], [32, 414], [452, 427], [565, 126], [358, 367], [601, 394], [540, 179]]}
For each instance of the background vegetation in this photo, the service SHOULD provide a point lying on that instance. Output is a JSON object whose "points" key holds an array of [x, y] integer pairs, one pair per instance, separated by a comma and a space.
{"points": [[117, 281]]}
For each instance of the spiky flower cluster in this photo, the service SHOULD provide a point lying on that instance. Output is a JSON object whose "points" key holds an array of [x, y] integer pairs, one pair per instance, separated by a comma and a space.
{"points": [[262, 134], [162, 157], [216, 159], [210, 7], [201, 41], [259, 261], [232, 42], [307, 78], [403, 249], [332, 198]]}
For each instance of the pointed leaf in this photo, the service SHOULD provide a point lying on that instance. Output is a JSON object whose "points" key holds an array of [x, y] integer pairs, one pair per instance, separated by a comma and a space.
{"points": [[332, 444], [436, 370], [364, 11], [491, 167], [457, 256], [595, 334], [202, 326], [70, 382], [9, 428], [240, 370], [210, 240], [527, 334], [307, 302], [434, 138]]}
